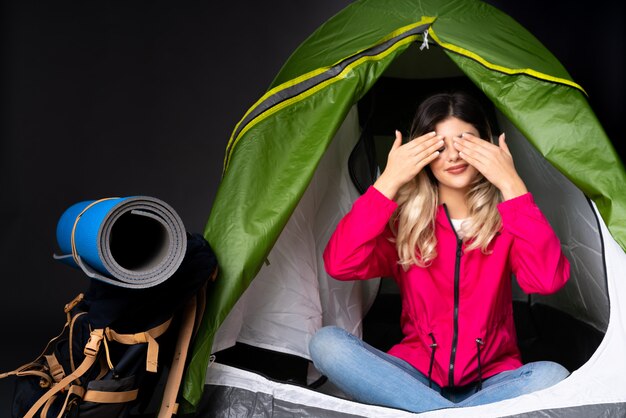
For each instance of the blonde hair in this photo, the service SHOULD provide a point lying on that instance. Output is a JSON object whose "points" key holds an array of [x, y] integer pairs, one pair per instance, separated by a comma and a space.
{"points": [[413, 222]]}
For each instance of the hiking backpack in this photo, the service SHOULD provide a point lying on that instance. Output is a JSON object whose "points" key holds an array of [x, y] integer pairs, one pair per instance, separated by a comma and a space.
{"points": [[122, 351]]}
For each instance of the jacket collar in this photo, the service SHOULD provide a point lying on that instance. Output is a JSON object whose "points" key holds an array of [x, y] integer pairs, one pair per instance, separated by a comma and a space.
{"points": [[442, 219]]}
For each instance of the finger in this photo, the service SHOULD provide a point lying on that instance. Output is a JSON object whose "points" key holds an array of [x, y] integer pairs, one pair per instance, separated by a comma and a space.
{"points": [[398, 141], [502, 143], [427, 159], [469, 149], [478, 157], [424, 142], [471, 159], [415, 149], [430, 147], [476, 141], [468, 142], [471, 138], [433, 144], [418, 140]]}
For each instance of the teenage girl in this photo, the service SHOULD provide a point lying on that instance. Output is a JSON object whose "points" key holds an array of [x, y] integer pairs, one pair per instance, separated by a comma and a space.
{"points": [[451, 220]]}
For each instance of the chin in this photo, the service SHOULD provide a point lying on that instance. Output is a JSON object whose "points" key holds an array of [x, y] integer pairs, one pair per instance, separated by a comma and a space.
{"points": [[457, 182]]}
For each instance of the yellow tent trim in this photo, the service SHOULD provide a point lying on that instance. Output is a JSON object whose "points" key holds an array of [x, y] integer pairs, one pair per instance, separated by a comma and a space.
{"points": [[500, 68], [233, 141]]}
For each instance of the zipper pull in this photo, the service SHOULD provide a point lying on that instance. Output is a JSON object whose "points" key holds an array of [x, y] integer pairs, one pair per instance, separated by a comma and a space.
{"points": [[424, 40]]}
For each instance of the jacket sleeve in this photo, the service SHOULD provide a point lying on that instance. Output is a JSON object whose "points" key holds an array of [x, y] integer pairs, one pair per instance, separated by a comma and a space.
{"points": [[360, 247], [536, 257]]}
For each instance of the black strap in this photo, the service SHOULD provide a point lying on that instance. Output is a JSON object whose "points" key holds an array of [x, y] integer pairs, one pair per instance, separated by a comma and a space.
{"points": [[479, 342], [433, 348]]}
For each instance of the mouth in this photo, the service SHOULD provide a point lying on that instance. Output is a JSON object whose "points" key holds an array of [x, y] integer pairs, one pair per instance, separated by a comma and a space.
{"points": [[457, 169]]}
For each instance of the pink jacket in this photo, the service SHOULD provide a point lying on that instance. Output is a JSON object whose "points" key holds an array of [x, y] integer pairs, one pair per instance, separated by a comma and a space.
{"points": [[459, 309]]}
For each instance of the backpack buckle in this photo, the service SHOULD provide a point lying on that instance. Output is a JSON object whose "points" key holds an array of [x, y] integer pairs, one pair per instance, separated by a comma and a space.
{"points": [[78, 299], [93, 345]]}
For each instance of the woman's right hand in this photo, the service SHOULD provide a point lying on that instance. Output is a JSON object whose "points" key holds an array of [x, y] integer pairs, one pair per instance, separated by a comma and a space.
{"points": [[405, 161]]}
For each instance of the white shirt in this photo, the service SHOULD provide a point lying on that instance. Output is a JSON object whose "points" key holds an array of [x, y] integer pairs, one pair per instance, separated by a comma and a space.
{"points": [[457, 224]]}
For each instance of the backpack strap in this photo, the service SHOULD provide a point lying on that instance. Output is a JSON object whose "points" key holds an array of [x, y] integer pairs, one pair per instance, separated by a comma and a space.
{"points": [[57, 373], [143, 337], [91, 350], [97, 396], [71, 337], [46, 407], [73, 392], [192, 316], [56, 370], [169, 406]]}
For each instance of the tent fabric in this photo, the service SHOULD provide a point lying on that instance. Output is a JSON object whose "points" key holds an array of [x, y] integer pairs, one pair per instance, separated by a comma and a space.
{"points": [[558, 121], [469, 25], [292, 297], [585, 294], [269, 398], [276, 148], [277, 98], [230, 389]]}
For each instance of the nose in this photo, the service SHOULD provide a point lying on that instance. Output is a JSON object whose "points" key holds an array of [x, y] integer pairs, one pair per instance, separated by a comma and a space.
{"points": [[452, 153]]}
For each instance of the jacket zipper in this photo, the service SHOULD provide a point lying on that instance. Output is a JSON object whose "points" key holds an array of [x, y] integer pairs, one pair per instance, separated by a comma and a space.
{"points": [[457, 274]]}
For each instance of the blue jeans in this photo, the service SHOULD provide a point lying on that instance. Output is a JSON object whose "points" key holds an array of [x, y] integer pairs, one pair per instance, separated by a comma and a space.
{"points": [[371, 376]]}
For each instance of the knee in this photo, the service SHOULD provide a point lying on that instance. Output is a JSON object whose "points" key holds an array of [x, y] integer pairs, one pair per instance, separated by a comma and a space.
{"points": [[549, 372], [329, 345], [322, 341]]}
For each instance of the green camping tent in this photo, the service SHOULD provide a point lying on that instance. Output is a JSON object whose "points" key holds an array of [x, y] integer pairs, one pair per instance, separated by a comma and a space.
{"points": [[275, 149]]}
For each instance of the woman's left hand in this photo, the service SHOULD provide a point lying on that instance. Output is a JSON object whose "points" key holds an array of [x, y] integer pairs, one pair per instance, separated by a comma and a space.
{"points": [[495, 162]]}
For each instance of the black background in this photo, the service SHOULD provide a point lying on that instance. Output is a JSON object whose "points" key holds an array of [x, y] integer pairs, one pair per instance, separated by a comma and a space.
{"points": [[128, 98]]}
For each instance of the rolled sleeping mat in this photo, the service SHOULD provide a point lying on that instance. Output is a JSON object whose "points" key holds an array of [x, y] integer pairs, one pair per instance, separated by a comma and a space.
{"points": [[133, 242]]}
